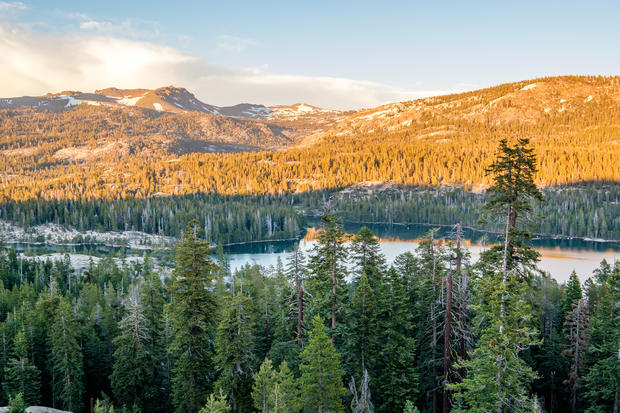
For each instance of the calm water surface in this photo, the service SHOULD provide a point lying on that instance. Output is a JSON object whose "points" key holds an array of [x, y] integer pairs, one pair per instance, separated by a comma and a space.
{"points": [[559, 256]]}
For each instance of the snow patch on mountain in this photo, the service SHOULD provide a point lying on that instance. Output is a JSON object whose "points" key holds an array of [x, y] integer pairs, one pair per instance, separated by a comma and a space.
{"points": [[129, 100], [297, 110], [71, 101]]}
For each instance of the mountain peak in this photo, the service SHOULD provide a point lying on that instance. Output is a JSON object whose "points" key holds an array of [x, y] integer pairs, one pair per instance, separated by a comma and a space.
{"points": [[119, 93], [163, 99]]}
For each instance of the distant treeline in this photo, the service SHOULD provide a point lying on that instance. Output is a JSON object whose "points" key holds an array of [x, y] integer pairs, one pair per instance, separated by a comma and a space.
{"points": [[584, 210]]}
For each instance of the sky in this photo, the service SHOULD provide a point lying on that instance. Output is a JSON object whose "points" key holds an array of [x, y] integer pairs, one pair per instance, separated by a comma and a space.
{"points": [[333, 54]]}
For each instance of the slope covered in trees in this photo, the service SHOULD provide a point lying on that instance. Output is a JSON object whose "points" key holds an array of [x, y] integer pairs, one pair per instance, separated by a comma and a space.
{"points": [[118, 324], [431, 332], [572, 123], [583, 210]]}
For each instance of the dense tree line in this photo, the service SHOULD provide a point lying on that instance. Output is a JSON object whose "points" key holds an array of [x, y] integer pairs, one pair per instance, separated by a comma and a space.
{"points": [[583, 210], [130, 336], [224, 219], [338, 331]]}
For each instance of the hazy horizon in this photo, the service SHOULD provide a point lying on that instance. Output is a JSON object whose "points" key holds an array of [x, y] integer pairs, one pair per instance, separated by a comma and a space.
{"points": [[339, 56]]}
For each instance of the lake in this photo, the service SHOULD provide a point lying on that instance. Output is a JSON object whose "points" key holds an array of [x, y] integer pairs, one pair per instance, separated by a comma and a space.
{"points": [[559, 257]]}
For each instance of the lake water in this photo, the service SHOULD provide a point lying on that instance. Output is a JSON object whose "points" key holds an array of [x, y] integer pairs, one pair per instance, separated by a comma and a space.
{"points": [[559, 257]]}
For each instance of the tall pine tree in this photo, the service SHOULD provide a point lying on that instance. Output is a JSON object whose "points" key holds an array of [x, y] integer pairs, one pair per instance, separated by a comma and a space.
{"points": [[133, 382], [396, 379], [21, 376], [320, 384], [497, 378], [602, 382], [66, 359], [234, 357], [192, 313], [326, 281]]}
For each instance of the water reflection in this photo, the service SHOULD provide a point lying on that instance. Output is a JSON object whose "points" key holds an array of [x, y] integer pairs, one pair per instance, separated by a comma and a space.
{"points": [[559, 256]]}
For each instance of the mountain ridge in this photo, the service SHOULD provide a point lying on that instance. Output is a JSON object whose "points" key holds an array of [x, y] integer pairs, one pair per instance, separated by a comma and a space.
{"points": [[163, 99]]}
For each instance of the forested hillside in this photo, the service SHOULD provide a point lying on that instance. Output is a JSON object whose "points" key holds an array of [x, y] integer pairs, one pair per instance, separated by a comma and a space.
{"points": [[581, 210], [132, 168], [436, 141], [339, 330]]}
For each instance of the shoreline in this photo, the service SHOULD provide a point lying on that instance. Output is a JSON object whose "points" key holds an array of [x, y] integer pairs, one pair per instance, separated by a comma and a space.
{"points": [[537, 236]]}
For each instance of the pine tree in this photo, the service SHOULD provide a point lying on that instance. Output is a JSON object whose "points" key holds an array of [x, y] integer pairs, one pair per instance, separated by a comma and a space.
{"points": [[326, 282], [452, 276], [17, 404], [192, 313], [410, 407], [297, 272], [511, 197], [265, 381], [573, 293], [287, 392], [366, 256], [21, 376], [90, 317], [363, 315], [216, 404], [274, 391], [427, 310], [103, 406], [66, 359], [321, 377], [132, 379], [486, 387], [602, 382], [44, 311], [152, 301], [576, 328], [285, 344], [234, 352], [396, 380], [495, 365]]}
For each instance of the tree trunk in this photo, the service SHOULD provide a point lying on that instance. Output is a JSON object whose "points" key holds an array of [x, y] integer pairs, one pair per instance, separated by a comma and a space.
{"points": [[448, 326], [267, 337], [300, 299], [334, 289], [463, 309], [502, 311], [446, 343], [300, 315], [434, 323]]}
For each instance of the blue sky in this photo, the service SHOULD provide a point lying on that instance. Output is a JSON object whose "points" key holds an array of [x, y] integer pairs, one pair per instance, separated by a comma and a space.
{"points": [[337, 54]]}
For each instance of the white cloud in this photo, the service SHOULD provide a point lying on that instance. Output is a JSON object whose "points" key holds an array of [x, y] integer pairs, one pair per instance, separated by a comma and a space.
{"points": [[233, 43], [34, 64], [92, 25], [129, 28], [6, 6]]}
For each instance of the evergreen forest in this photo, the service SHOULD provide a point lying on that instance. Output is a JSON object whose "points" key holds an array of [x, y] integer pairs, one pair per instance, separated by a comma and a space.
{"points": [[335, 330]]}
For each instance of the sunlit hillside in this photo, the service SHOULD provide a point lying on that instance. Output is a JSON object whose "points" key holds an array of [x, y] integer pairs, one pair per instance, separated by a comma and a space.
{"points": [[573, 123]]}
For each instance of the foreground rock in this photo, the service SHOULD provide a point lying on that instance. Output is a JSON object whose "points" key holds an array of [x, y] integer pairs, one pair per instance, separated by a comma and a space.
{"points": [[37, 409]]}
